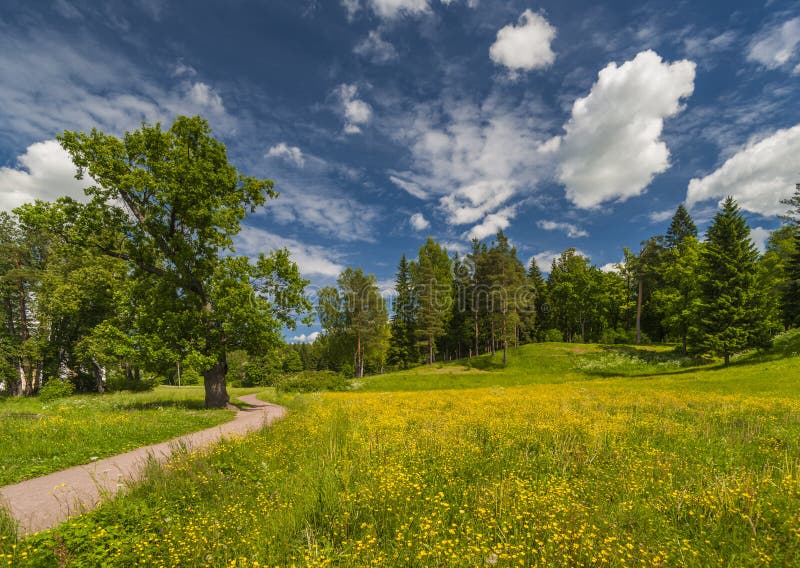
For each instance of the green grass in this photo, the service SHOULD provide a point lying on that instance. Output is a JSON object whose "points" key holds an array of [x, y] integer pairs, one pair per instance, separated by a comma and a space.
{"points": [[37, 438], [573, 455]]}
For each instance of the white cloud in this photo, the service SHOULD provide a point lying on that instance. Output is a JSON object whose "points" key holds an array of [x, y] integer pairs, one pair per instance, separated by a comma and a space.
{"points": [[611, 267], [375, 48], [613, 147], [760, 236], [409, 186], [45, 171], [660, 216], [471, 203], [571, 230], [476, 158], [544, 260], [290, 153], [63, 84], [311, 259], [323, 210], [387, 9], [492, 223], [391, 9], [525, 46], [356, 112], [419, 222], [776, 45], [204, 96], [758, 176], [303, 338]]}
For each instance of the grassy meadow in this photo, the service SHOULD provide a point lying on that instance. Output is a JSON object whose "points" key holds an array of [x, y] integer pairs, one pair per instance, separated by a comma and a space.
{"points": [[39, 437], [572, 455]]}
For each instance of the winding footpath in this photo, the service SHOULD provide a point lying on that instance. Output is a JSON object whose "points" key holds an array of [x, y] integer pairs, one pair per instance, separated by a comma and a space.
{"points": [[44, 502]]}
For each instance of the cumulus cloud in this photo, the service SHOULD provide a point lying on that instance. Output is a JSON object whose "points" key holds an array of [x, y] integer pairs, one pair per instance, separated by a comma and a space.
{"points": [[571, 230], [476, 158], [611, 266], [775, 46], [760, 236], [660, 216], [290, 153], [310, 259], [45, 171], [524, 46], [419, 222], [544, 260], [492, 223], [613, 148], [375, 48], [305, 338], [205, 97], [355, 111], [387, 9], [758, 176]]}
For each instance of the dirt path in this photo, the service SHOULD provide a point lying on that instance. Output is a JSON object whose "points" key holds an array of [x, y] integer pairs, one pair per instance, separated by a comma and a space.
{"points": [[44, 502]]}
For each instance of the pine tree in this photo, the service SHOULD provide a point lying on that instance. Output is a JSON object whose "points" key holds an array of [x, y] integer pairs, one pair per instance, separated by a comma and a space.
{"points": [[681, 228], [730, 302], [401, 342], [790, 300], [507, 279], [432, 275], [535, 318]]}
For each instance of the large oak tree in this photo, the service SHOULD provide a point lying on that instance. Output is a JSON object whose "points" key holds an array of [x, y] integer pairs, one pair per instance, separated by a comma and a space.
{"points": [[168, 202]]}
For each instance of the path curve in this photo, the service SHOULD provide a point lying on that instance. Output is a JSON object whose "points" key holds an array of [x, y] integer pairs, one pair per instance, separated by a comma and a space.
{"points": [[44, 502]]}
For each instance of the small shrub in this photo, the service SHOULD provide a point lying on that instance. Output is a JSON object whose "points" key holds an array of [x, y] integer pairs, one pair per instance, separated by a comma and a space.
{"points": [[56, 388], [312, 381], [553, 335], [116, 382]]}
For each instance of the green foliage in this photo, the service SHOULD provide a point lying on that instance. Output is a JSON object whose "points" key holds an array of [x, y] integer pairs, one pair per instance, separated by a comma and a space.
{"points": [[432, 277], [553, 335], [312, 381], [402, 345], [169, 203], [733, 312], [55, 389]]}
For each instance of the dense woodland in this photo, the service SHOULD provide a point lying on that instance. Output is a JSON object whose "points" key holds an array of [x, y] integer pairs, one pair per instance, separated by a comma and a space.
{"points": [[711, 297], [141, 285]]}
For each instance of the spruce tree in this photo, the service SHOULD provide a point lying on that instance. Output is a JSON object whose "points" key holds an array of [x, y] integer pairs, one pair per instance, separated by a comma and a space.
{"points": [[401, 341], [790, 300], [432, 276], [730, 301], [681, 228]]}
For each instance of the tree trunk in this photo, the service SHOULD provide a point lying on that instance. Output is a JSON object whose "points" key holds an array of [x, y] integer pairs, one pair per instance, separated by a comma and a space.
{"points": [[493, 341], [685, 351], [639, 312], [727, 359], [98, 377], [430, 350], [214, 381]]}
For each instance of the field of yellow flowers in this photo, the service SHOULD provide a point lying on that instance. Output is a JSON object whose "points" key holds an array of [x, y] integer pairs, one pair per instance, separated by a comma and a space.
{"points": [[691, 468]]}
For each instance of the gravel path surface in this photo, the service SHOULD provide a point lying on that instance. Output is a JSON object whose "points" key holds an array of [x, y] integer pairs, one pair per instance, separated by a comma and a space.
{"points": [[44, 502]]}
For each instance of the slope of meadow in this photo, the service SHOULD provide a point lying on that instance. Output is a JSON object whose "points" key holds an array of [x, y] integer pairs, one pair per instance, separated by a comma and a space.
{"points": [[573, 455]]}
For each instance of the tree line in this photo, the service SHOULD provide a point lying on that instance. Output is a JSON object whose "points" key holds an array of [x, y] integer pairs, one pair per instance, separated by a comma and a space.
{"points": [[141, 283], [712, 297]]}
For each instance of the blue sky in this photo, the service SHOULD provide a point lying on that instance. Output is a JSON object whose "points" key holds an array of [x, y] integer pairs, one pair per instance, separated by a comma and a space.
{"points": [[565, 123]]}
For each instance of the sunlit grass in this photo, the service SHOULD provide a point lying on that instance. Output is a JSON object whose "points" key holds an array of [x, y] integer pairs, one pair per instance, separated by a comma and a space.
{"points": [[695, 467], [38, 437]]}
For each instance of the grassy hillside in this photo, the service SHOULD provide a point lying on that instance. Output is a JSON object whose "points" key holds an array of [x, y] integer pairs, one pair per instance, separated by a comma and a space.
{"points": [[573, 455]]}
